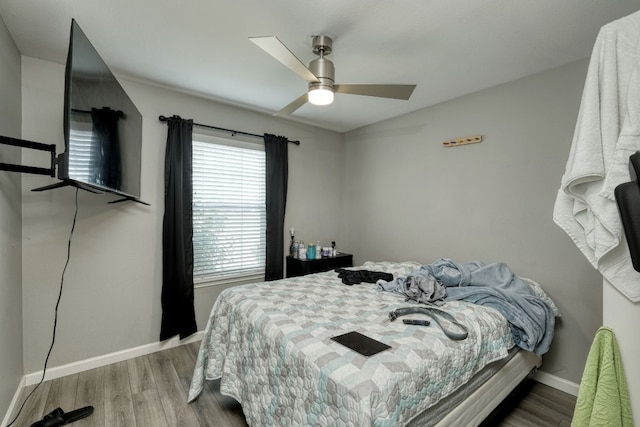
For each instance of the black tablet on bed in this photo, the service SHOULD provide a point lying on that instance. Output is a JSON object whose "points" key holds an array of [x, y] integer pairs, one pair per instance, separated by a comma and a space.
{"points": [[363, 344]]}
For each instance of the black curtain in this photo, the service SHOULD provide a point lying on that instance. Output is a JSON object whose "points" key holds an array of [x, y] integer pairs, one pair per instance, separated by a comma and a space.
{"points": [[277, 168], [178, 313], [106, 163]]}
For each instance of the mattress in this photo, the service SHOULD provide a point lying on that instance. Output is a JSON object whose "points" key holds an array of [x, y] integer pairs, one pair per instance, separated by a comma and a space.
{"points": [[270, 345]]}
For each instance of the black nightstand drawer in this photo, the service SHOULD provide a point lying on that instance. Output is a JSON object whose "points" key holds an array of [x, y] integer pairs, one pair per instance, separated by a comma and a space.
{"points": [[301, 267]]}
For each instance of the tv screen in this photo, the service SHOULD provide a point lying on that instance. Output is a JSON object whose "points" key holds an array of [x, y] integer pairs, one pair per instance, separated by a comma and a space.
{"points": [[102, 126]]}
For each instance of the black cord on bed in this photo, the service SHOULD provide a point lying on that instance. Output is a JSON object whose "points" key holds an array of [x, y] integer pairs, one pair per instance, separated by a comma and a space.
{"points": [[55, 318]]}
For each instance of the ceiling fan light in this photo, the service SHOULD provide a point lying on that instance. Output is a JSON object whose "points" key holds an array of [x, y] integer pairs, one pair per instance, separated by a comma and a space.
{"points": [[320, 96]]}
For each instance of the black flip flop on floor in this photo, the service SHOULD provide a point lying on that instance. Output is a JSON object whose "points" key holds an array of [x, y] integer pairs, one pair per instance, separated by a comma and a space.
{"points": [[58, 417]]}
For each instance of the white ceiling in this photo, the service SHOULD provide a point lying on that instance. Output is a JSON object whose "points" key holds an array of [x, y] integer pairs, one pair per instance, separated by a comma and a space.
{"points": [[448, 48]]}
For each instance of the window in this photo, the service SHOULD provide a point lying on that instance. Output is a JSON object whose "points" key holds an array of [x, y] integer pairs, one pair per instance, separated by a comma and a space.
{"points": [[229, 214]]}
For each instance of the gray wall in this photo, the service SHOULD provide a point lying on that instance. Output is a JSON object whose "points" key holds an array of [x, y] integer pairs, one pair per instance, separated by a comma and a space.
{"points": [[405, 196], [10, 224], [111, 298]]}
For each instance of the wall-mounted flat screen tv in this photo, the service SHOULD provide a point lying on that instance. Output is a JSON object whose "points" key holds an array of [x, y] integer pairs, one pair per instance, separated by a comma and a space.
{"points": [[102, 126]]}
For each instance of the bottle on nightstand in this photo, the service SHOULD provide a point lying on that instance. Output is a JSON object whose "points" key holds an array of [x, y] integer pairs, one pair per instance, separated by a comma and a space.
{"points": [[302, 250]]}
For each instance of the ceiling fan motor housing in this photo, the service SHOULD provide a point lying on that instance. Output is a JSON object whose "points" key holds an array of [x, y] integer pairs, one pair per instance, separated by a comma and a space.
{"points": [[321, 67]]}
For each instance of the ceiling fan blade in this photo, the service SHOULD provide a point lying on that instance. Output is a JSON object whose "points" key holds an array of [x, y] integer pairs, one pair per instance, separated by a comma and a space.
{"points": [[274, 47], [293, 106], [383, 91]]}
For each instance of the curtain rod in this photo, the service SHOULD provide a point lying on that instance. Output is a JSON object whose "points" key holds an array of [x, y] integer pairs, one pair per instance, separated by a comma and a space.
{"points": [[231, 131]]}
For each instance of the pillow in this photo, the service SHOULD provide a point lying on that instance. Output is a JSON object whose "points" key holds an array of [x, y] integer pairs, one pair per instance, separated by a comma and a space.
{"points": [[537, 289], [398, 269]]}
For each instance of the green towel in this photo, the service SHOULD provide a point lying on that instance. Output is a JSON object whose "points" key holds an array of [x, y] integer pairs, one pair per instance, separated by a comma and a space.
{"points": [[603, 398]]}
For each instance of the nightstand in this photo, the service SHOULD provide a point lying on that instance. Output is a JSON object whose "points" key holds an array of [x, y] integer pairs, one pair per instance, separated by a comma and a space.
{"points": [[301, 267]]}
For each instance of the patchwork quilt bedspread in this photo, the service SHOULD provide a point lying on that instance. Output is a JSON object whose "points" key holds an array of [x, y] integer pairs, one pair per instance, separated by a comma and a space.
{"points": [[270, 345]]}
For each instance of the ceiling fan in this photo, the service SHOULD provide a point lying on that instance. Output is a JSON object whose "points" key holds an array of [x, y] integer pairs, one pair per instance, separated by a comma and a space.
{"points": [[321, 75]]}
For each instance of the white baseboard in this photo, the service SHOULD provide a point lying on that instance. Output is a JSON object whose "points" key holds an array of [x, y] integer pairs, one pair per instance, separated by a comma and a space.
{"points": [[107, 359], [14, 402], [557, 383]]}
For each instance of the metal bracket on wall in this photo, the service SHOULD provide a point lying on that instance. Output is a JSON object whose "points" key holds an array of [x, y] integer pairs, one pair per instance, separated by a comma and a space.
{"points": [[51, 148], [463, 141]]}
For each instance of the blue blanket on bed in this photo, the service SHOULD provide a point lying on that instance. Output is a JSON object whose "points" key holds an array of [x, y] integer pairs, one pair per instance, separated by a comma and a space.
{"points": [[530, 318], [494, 285]]}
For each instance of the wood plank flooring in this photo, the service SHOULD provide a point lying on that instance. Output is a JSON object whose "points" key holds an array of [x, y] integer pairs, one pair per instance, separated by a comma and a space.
{"points": [[151, 391], [533, 404]]}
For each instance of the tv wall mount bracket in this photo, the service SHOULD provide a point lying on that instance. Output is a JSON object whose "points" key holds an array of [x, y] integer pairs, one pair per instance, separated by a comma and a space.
{"points": [[11, 167]]}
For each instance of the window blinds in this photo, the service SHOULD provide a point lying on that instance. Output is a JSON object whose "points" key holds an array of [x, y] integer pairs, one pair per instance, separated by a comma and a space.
{"points": [[229, 218]]}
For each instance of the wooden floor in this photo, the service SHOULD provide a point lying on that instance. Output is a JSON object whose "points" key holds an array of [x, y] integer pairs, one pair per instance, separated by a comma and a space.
{"points": [[151, 391], [533, 404]]}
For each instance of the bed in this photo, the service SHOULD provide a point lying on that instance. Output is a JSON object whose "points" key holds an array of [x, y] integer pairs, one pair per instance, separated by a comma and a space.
{"points": [[270, 345]]}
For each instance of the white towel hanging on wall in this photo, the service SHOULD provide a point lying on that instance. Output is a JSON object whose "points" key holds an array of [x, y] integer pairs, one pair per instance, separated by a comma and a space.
{"points": [[607, 133]]}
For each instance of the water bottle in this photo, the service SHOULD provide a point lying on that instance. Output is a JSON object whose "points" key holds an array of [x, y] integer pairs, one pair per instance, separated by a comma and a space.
{"points": [[302, 250], [311, 251]]}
